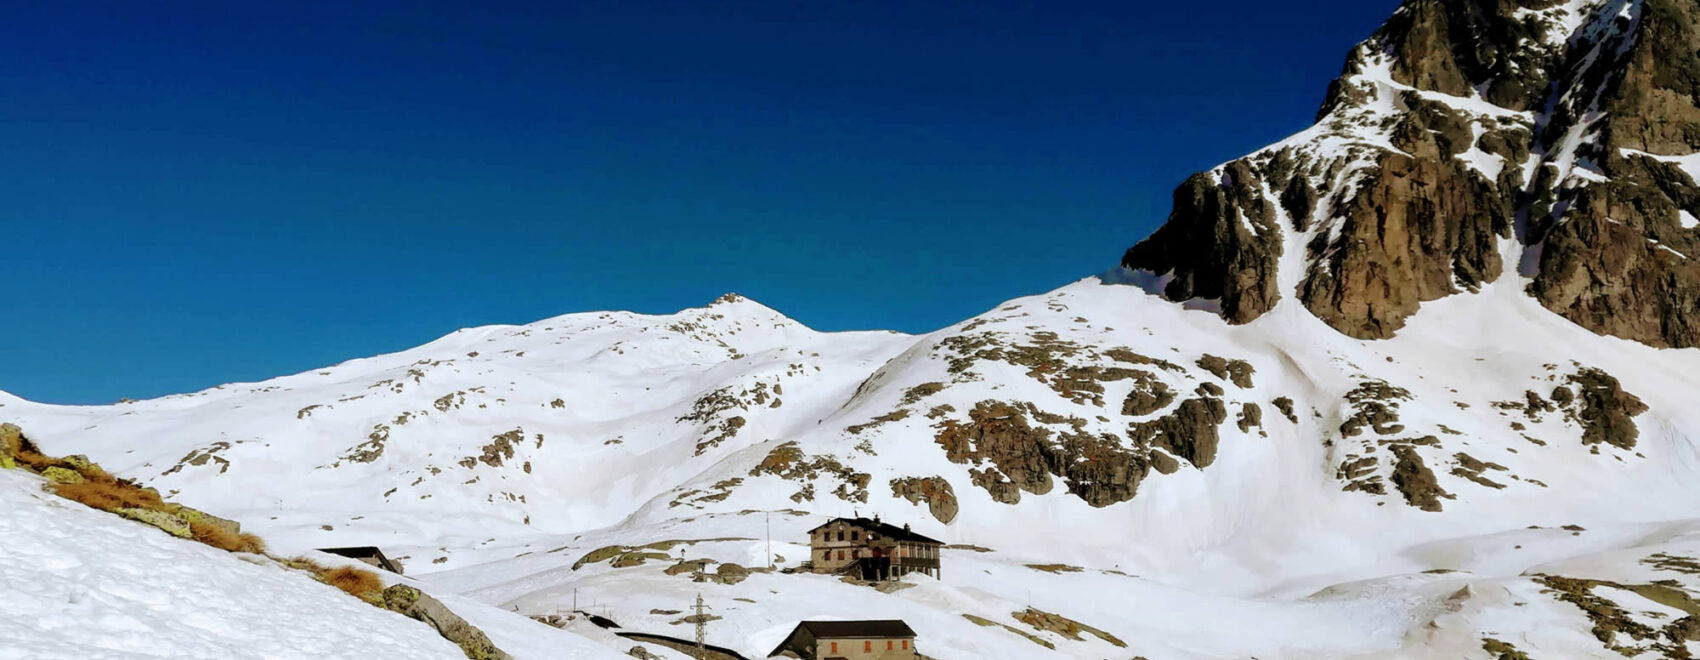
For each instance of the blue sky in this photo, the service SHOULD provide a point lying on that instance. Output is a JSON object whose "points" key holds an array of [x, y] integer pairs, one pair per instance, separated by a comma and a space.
{"points": [[204, 192]]}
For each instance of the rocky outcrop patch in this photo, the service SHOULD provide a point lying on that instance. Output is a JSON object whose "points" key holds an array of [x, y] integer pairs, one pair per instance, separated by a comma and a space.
{"points": [[1012, 455], [1616, 627], [789, 462], [1149, 395], [203, 456], [1062, 625], [1601, 407], [935, 491], [712, 412], [1374, 405], [1190, 432], [1415, 480], [1237, 371], [988, 623], [411, 602], [372, 449], [500, 449]]}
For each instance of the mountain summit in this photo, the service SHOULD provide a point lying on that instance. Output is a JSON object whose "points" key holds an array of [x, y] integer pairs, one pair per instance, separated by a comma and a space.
{"points": [[1466, 141]]}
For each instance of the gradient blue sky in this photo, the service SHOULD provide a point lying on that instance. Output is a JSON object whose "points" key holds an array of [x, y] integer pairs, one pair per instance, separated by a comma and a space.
{"points": [[203, 192]]}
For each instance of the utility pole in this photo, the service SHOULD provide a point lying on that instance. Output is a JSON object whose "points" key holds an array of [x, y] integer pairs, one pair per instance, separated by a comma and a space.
{"points": [[702, 629], [768, 521]]}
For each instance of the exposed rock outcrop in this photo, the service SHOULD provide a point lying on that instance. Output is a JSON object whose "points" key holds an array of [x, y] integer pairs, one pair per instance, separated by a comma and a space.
{"points": [[1220, 243], [1012, 456], [935, 491], [1190, 432], [1415, 480], [1417, 229], [414, 603], [1602, 408], [1459, 127]]}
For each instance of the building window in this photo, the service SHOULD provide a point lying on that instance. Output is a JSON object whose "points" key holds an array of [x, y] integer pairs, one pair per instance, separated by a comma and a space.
{"points": [[841, 555], [835, 647], [855, 554], [841, 535], [888, 645], [905, 644], [868, 646], [854, 534]]}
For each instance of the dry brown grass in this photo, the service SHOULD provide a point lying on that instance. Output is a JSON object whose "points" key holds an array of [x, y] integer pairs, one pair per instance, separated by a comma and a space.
{"points": [[222, 538], [109, 494], [356, 581], [30, 455], [101, 490], [304, 564]]}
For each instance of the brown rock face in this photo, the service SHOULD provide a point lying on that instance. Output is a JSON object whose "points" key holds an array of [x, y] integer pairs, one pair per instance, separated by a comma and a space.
{"points": [[1417, 226], [1654, 108], [1613, 279], [1403, 197], [1615, 257], [1455, 46], [1190, 432], [1149, 395], [935, 491], [1011, 455], [999, 434], [1415, 481], [1221, 242], [1603, 409]]}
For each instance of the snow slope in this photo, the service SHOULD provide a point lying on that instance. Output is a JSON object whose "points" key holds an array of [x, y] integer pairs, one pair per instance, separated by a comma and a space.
{"points": [[1265, 539], [81, 583]]}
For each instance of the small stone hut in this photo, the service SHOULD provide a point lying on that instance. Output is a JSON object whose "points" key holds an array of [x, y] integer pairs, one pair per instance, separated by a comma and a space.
{"points": [[889, 639]]}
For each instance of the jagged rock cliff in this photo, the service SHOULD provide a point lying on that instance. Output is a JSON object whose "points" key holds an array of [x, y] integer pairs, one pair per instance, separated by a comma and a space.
{"points": [[1466, 141]]}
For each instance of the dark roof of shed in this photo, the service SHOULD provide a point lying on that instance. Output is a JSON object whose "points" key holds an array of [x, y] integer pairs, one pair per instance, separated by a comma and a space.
{"points": [[841, 629], [354, 551], [890, 530]]}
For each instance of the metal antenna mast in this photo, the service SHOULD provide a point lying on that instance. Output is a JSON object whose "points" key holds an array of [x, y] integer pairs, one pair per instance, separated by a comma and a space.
{"points": [[702, 628]]}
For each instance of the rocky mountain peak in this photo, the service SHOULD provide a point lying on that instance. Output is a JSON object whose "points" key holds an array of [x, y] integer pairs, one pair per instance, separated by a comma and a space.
{"points": [[1466, 141]]}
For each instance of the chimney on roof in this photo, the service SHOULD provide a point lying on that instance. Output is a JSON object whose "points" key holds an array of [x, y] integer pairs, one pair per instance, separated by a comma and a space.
{"points": [[905, 527], [876, 517]]}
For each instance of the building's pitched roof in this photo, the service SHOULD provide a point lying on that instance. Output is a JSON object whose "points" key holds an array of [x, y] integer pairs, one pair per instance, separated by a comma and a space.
{"points": [[893, 531], [890, 628], [842, 629], [355, 551], [364, 552]]}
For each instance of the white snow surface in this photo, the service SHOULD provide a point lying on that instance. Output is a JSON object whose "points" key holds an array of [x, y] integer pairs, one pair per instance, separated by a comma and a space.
{"points": [[80, 583]]}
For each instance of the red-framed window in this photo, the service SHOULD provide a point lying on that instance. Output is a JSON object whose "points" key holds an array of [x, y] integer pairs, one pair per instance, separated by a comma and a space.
{"points": [[868, 646]]}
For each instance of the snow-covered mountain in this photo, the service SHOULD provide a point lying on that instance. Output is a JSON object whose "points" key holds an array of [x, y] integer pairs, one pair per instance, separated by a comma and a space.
{"points": [[1415, 382]]}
